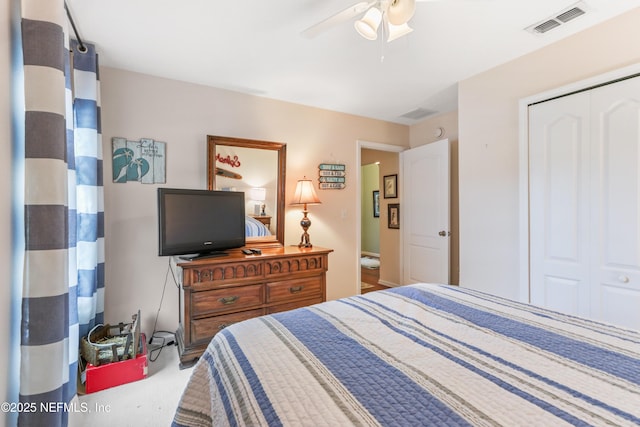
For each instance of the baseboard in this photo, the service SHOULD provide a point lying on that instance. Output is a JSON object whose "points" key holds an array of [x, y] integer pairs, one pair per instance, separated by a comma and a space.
{"points": [[387, 283]]}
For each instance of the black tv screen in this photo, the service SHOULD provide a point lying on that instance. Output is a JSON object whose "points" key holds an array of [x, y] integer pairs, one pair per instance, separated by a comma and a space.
{"points": [[199, 222]]}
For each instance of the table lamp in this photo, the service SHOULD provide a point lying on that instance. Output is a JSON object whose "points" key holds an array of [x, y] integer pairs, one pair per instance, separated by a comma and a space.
{"points": [[305, 195], [258, 195]]}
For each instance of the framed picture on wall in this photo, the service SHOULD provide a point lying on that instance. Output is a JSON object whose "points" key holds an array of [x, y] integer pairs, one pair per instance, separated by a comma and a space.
{"points": [[376, 203], [390, 183], [393, 218]]}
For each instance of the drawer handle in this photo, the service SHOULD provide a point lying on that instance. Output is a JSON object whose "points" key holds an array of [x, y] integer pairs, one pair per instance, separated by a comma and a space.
{"points": [[229, 300], [296, 289], [224, 325]]}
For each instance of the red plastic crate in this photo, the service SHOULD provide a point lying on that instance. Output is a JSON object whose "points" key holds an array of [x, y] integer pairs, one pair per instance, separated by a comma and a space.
{"points": [[117, 373]]}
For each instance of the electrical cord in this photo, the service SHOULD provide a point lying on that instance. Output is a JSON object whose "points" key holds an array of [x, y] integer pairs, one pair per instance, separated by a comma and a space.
{"points": [[167, 341], [154, 353]]}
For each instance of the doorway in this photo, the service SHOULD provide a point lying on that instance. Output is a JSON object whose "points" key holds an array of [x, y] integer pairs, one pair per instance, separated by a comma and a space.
{"points": [[379, 245], [369, 221]]}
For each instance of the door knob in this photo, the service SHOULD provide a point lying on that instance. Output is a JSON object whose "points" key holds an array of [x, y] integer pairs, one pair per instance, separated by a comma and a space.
{"points": [[623, 279], [444, 233]]}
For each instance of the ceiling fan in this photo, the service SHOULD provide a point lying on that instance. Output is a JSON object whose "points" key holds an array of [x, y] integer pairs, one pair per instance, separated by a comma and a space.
{"points": [[393, 15]]}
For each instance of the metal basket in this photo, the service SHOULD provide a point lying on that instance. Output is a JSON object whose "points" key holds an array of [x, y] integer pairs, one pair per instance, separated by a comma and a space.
{"points": [[106, 344]]}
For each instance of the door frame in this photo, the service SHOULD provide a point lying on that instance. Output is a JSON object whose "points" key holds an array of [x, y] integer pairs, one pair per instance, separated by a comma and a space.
{"points": [[363, 144], [523, 161]]}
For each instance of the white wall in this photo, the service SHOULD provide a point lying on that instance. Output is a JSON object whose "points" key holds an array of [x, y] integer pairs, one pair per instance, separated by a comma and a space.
{"points": [[181, 114], [488, 142]]}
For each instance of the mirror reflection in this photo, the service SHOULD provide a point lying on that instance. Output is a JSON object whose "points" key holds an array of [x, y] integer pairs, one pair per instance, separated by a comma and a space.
{"points": [[255, 168]]}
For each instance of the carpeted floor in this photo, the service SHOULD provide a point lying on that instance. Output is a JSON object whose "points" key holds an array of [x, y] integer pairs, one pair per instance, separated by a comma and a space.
{"points": [[148, 402]]}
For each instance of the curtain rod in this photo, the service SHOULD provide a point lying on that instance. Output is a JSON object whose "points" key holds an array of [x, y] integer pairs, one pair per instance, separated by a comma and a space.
{"points": [[82, 48]]}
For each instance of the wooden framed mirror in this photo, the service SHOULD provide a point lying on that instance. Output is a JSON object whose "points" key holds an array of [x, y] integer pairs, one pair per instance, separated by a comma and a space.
{"points": [[256, 168]]}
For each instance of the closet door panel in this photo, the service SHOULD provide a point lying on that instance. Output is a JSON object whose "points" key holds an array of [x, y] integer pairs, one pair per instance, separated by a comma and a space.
{"points": [[615, 204], [559, 201]]}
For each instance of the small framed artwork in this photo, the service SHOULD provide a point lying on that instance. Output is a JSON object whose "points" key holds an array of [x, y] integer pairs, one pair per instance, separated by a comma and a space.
{"points": [[376, 203], [394, 215], [390, 183]]}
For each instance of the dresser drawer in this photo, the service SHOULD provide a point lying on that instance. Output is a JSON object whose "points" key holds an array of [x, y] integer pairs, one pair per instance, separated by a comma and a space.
{"points": [[294, 289], [205, 329], [217, 274], [292, 305], [308, 264], [219, 300]]}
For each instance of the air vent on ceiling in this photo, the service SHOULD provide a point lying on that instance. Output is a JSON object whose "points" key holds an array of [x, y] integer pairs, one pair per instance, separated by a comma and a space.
{"points": [[558, 19], [546, 26], [418, 113], [570, 14]]}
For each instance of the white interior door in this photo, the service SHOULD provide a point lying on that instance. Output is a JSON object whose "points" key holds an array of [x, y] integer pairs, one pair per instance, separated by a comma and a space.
{"points": [[559, 158], [615, 213], [584, 154], [425, 213]]}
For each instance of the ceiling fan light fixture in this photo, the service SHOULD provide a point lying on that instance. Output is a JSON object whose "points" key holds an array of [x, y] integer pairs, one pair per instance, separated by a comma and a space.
{"points": [[397, 31], [367, 27], [400, 11]]}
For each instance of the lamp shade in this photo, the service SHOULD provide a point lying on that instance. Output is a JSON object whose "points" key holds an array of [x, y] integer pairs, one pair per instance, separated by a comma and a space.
{"points": [[305, 194], [367, 27], [258, 194], [397, 31]]}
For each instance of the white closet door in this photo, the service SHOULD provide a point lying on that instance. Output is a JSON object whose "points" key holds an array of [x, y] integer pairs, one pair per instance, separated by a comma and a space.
{"points": [[584, 167], [559, 200], [615, 289]]}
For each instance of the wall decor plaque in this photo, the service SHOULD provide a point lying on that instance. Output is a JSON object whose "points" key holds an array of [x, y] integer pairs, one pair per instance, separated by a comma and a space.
{"points": [[141, 161], [332, 176]]}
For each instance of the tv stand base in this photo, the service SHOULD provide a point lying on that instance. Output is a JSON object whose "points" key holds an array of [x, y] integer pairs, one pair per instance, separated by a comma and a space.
{"points": [[204, 255]]}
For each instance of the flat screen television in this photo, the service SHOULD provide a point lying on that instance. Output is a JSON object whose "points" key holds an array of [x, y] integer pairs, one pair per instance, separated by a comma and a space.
{"points": [[199, 223]]}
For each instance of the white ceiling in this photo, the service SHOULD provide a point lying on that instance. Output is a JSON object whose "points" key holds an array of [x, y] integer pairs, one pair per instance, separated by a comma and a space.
{"points": [[255, 47]]}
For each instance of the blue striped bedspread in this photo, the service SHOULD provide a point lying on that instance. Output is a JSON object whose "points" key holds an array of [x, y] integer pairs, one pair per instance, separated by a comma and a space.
{"points": [[417, 355], [254, 228]]}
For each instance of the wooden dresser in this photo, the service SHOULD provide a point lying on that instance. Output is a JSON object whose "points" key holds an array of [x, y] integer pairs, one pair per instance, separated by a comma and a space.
{"points": [[217, 292]]}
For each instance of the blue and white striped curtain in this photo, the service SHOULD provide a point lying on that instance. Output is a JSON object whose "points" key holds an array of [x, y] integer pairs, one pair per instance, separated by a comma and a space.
{"points": [[64, 257], [86, 209]]}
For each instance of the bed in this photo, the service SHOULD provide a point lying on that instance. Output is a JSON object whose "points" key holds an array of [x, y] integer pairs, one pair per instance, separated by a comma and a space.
{"points": [[416, 355], [254, 228]]}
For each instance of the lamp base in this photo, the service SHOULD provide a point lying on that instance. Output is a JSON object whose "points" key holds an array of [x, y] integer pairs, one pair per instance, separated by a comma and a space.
{"points": [[304, 240], [305, 223]]}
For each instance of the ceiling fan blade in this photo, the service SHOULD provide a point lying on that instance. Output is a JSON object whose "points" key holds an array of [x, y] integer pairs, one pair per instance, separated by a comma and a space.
{"points": [[338, 18]]}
